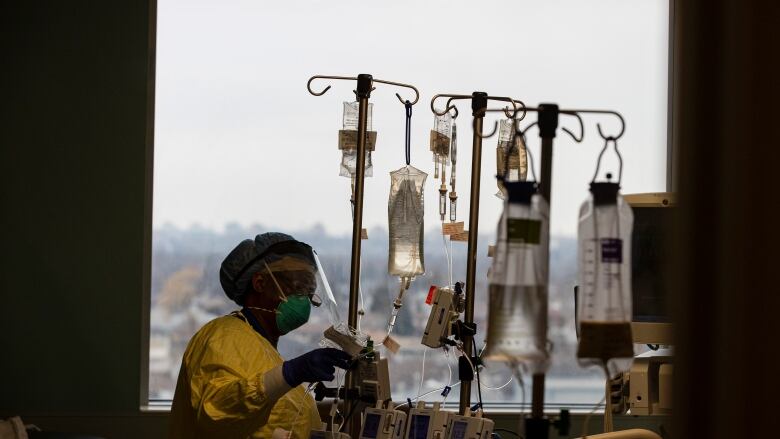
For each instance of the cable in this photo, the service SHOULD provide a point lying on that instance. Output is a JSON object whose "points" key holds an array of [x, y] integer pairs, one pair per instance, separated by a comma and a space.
{"points": [[509, 381], [335, 401], [452, 257], [449, 380], [434, 391], [300, 409], [422, 374], [448, 255], [479, 388], [349, 414], [510, 431]]}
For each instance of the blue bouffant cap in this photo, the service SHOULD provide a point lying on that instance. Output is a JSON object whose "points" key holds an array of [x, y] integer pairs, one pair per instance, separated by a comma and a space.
{"points": [[251, 256]]}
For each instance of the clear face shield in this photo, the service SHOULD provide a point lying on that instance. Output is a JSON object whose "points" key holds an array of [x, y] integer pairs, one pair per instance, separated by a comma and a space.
{"points": [[293, 277]]}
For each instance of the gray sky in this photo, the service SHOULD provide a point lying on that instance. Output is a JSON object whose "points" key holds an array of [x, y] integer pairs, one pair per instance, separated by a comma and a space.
{"points": [[239, 138]]}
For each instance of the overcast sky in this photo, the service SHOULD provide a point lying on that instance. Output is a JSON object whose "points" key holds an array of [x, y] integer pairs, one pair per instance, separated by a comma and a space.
{"points": [[239, 138]]}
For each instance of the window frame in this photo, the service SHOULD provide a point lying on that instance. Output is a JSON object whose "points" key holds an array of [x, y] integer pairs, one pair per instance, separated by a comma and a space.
{"points": [[147, 405]]}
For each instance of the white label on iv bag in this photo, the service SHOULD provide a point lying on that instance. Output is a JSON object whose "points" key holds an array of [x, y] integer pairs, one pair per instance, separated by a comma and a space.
{"points": [[348, 140], [602, 272]]}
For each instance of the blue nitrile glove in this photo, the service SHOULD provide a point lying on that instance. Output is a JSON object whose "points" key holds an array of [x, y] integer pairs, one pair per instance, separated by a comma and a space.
{"points": [[317, 365]]}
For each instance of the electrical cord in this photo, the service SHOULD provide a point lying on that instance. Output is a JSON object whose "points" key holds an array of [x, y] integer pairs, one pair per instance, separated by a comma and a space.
{"points": [[349, 414], [479, 384], [422, 374], [516, 434]]}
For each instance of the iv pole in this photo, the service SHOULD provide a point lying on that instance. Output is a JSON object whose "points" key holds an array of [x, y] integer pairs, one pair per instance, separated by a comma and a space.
{"points": [[537, 426], [363, 93], [479, 101]]}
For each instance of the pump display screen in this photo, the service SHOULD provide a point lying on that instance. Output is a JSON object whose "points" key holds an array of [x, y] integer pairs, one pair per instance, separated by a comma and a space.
{"points": [[371, 426], [418, 427], [458, 430]]}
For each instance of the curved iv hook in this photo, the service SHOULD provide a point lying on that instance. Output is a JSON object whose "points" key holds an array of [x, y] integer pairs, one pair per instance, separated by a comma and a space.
{"points": [[566, 130], [449, 105], [483, 136], [348, 78], [582, 127], [598, 125], [513, 115], [454, 115], [308, 84], [399, 84]]}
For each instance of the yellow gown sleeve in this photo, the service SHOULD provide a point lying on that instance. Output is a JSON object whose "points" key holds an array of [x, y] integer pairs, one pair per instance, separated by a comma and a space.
{"points": [[234, 384]]}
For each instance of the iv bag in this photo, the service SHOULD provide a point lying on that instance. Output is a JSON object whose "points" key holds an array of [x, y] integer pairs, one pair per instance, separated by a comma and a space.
{"points": [[604, 277], [517, 158], [348, 140], [440, 141], [405, 216], [517, 308]]}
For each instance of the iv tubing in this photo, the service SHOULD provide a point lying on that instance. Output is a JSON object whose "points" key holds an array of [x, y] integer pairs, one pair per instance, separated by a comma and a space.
{"points": [[448, 254], [422, 374]]}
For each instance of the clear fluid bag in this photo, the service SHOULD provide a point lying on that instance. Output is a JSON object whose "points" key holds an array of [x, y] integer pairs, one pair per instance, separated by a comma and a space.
{"points": [[517, 308], [405, 217], [514, 164], [604, 306], [348, 140], [441, 135]]}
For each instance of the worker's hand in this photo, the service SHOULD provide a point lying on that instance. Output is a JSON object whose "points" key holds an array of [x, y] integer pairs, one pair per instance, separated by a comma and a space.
{"points": [[317, 365]]}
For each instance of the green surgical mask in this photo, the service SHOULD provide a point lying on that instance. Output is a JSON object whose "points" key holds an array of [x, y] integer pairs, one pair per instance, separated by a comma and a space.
{"points": [[292, 313]]}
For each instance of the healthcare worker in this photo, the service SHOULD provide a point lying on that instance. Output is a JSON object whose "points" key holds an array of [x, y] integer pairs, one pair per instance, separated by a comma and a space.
{"points": [[233, 383]]}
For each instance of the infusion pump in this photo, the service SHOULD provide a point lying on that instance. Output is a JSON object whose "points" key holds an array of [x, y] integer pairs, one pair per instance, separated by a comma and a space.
{"points": [[380, 423], [427, 422], [469, 427]]}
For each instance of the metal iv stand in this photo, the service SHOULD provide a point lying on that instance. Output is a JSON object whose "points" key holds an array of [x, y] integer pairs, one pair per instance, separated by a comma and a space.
{"points": [[363, 92], [479, 102], [537, 426]]}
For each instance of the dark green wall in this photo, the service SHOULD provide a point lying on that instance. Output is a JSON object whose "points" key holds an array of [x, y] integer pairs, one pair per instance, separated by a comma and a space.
{"points": [[75, 139]]}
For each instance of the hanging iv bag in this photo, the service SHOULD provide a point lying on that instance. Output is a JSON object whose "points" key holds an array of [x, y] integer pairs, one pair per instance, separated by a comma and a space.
{"points": [[515, 162], [517, 308], [604, 306], [405, 217], [348, 141], [440, 141]]}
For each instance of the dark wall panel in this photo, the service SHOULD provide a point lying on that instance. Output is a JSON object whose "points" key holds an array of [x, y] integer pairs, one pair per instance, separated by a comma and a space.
{"points": [[74, 159]]}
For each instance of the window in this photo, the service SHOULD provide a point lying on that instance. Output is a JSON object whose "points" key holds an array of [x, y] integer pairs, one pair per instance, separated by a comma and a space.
{"points": [[242, 148]]}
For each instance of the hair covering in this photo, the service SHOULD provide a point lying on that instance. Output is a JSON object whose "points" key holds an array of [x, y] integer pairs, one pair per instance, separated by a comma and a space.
{"points": [[277, 250]]}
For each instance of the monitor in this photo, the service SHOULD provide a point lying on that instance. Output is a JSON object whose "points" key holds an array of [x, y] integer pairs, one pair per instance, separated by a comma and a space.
{"points": [[418, 427], [458, 430], [371, 425], [650, 250]]}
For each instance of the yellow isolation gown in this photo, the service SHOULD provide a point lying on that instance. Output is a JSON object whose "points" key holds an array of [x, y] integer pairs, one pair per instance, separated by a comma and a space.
{"points": [[231, 386]]}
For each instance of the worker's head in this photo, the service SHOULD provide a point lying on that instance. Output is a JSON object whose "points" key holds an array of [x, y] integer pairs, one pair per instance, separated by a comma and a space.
{"points": [[274, 274]]}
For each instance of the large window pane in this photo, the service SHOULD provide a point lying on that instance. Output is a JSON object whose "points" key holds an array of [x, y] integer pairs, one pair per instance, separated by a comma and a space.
{"points": [[242, 148]]}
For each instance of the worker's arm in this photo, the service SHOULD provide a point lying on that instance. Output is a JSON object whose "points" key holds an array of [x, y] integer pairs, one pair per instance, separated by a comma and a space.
{"points": [[225, 394]]}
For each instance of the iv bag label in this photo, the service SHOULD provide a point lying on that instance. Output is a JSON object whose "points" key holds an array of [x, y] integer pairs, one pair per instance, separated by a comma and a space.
{"points": [[348, 140], [612, 250], [440, 144], [523, 230]]}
